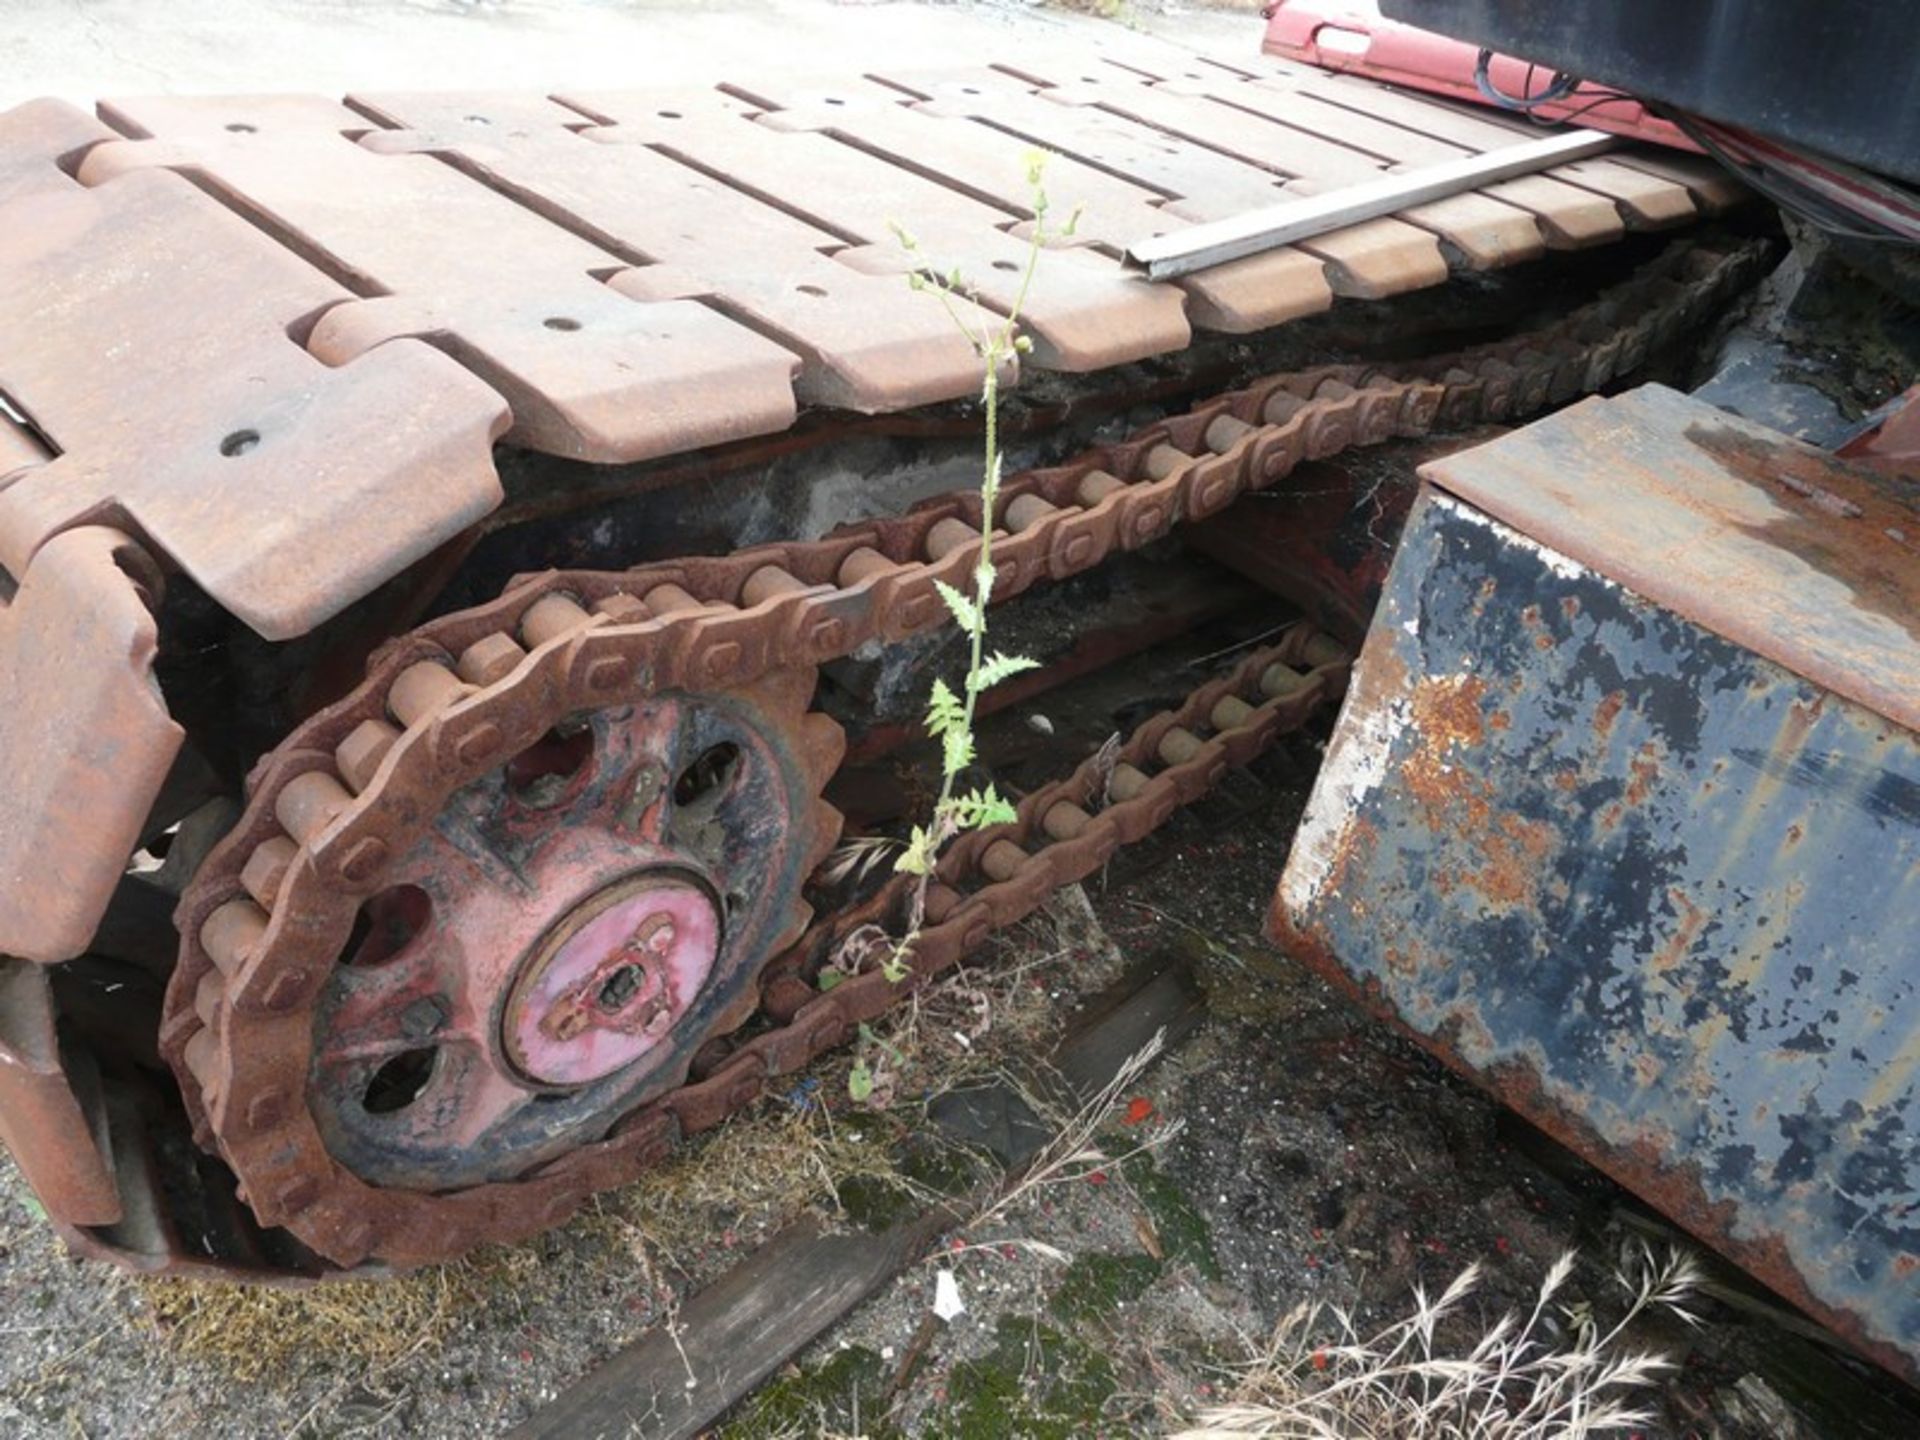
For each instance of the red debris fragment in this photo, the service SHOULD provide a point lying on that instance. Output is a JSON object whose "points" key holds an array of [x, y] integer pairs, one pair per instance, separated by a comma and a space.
{"points": [[1139, 1110]]}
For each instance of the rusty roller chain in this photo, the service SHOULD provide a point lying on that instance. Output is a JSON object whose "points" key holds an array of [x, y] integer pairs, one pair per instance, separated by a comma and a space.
{"points": [[338, 814]]}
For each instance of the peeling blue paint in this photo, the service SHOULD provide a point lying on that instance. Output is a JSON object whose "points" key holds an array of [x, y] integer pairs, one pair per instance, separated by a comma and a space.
{"points": [[1659, 891]]}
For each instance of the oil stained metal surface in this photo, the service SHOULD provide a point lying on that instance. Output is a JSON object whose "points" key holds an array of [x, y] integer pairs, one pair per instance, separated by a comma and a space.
{"points": [[1656, 891]]}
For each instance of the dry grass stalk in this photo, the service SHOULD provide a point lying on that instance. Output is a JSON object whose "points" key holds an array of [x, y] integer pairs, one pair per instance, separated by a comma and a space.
{"points": [[1073, 1153], [1321, 1381], [859, 857]]}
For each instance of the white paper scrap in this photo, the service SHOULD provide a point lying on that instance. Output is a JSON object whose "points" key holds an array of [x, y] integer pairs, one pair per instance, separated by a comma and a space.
{"points": [[946, 1296]]}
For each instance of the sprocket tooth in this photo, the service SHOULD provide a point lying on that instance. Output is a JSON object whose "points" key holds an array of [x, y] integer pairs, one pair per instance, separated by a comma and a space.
{"points": [[738, 1011], [828, 824], [823, 745], [203, 1059], [782, 693]]}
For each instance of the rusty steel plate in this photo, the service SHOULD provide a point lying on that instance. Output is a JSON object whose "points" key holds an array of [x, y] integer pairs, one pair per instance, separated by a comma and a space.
{"points": [[86, 737], [35, 138], [1370, 260], [1807, 560], [1647, 186], [42, 1123], [590, 373], [1082, 311], [865, 342], [1597, 829], [1244, 296], [144, 330], [1484, 232]]}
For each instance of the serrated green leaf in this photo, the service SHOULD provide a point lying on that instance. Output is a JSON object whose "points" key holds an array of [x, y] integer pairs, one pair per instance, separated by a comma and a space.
{"points": [[978, 808], [998, 812], [945, 713], [860, 1082], [915, 859], [997, 668], [959, 606], [956, 750]]}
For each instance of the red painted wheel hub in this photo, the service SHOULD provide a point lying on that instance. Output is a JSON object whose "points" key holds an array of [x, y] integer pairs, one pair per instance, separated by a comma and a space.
{"points": [[612, 980], [572, 928]]}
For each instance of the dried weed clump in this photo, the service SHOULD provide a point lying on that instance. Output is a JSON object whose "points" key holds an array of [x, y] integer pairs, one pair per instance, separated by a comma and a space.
{"points": [[756, 1173], [254, 1332], [1318, 1379]]}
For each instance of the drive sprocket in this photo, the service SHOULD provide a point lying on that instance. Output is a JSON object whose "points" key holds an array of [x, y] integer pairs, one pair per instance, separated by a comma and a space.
{"points": [[540, 957]]}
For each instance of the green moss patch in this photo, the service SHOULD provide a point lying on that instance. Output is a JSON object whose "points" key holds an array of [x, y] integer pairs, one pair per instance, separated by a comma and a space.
{"points": [[1096, 1285], [1035, 1384], [842, 1396], [1184, 1233]]}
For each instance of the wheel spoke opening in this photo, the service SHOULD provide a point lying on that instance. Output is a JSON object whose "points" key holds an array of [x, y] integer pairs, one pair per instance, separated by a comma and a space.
{"points": [[549, 771], [387, 925], [704, 784], [400, 1081]]}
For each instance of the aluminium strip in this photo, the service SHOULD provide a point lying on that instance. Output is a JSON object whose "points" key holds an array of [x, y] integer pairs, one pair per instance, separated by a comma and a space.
{"points": [[1181, 252]]}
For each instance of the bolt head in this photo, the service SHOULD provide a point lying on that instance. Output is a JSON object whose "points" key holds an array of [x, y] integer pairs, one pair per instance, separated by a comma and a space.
{"points": [[423, 1017]]}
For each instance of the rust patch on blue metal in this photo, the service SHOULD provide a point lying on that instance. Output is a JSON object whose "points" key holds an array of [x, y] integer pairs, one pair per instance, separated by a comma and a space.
{"points": [[1657, 892]]}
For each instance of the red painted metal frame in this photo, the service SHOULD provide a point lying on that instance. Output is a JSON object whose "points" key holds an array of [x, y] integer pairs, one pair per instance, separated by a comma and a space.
{"points": [[1353, 38]]}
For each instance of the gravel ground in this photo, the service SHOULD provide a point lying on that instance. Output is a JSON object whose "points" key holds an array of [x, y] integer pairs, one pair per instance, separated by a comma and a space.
{"points": [[82, 50]]}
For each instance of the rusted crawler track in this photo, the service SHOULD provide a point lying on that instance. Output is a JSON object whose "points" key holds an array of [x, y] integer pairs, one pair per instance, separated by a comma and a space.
{"points": [[332, 809]]}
